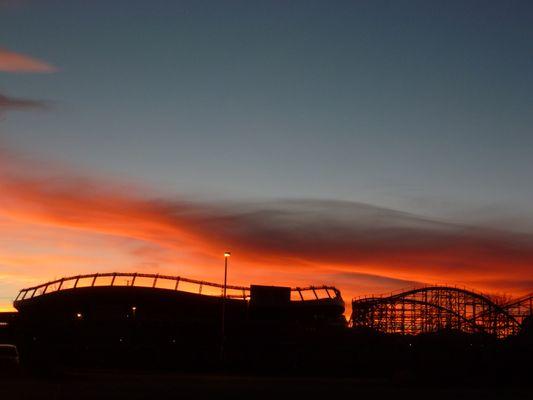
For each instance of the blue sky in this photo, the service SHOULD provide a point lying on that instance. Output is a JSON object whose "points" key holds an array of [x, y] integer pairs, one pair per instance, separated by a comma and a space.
{"points": [[416, 106], [372, 101]]}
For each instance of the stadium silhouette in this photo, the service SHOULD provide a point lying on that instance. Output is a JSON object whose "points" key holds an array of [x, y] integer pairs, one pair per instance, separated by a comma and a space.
{"points": [[149, 321]]}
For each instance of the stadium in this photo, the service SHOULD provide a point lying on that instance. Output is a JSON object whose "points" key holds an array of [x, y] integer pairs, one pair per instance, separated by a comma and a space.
{"points": [[143, 319]]}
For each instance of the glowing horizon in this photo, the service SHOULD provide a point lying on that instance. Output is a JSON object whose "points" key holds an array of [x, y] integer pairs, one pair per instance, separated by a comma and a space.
{"points": [[65, 223]]}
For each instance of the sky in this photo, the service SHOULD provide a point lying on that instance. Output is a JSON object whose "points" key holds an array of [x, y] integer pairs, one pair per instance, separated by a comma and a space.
{"points": [[371, 145]]}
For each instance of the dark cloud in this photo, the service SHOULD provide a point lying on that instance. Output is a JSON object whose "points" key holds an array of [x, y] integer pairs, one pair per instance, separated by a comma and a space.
{"points": [[351, 233], [359, 280], [8, 103]]}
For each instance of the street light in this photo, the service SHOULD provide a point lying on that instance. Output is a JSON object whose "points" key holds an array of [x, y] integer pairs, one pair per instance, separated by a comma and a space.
{"points": [[227, 254]]}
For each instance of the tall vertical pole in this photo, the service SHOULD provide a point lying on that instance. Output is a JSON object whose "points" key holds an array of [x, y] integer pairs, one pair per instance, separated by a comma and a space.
{"points": [[224, 296], [223, 327]]}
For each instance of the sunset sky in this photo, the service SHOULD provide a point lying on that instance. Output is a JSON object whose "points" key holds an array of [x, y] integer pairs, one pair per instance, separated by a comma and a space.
{"points": [[371, 145]]}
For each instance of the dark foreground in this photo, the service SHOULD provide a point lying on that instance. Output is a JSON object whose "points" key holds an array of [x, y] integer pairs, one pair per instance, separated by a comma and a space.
{"points": [[146, 343], [154, 385]]}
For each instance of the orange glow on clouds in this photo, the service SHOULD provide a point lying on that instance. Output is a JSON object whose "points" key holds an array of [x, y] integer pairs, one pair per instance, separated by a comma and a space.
{"points": [[56, 223], [20, 63]]}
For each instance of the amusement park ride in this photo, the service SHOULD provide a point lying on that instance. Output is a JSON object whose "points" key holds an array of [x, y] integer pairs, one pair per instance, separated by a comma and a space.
{"points": [[433, 308]]}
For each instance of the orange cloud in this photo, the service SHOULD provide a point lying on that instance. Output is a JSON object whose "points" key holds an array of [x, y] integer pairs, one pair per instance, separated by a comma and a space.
{"points": [[20, 63], [65, 223]]}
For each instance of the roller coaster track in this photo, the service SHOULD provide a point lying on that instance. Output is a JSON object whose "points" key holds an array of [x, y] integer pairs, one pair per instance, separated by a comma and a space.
{"points": [[433, 308], [520, 308]]}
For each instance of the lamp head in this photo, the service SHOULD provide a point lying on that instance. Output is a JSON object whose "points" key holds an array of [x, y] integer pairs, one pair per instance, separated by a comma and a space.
{"points": [[227, 254]]}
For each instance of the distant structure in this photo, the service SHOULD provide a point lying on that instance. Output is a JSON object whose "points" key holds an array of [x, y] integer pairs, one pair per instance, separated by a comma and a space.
{"points": [[435, 308], [104, 318], [88, 292]]}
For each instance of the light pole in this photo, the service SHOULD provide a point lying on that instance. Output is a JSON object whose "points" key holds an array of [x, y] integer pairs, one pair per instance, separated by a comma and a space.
{"points": [[227, 254]]}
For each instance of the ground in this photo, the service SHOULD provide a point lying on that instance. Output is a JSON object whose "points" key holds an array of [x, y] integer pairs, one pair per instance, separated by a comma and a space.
{"points": [[151, 385]]}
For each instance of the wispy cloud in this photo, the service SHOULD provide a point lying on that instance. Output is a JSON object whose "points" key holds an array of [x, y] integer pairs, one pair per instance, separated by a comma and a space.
{"points": [[8, 103], [20, 63]]}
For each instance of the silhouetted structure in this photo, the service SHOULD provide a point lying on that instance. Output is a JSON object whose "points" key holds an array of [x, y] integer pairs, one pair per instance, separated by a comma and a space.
{"points": [[520, 309], [156, 321], [103, 319], [430, 309], [7, 319]]}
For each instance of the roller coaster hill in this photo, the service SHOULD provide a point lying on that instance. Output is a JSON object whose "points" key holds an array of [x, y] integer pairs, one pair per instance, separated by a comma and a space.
{"points": [[130, 320], [433, 308]]}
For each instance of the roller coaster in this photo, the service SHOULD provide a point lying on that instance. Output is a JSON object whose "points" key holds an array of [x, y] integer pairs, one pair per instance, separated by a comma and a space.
{"points": [[434, 308]]}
